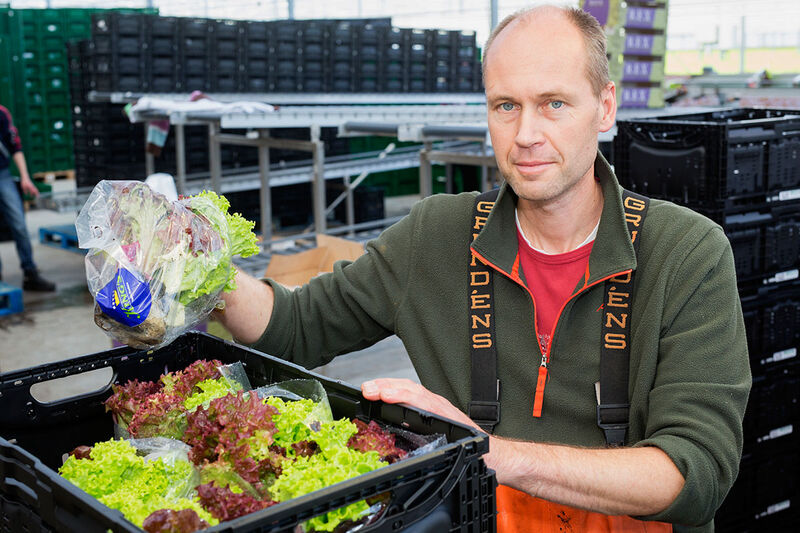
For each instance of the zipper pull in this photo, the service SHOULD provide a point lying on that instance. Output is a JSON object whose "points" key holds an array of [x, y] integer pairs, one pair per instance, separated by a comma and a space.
{"points": [[539, 395]]}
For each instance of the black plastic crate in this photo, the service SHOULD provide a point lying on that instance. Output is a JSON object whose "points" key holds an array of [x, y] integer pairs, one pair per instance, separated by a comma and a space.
{"points": [[772, 322], [772, 420], [765, 496], [712, 160], [227, 37], [449, 489], [119, 23]]}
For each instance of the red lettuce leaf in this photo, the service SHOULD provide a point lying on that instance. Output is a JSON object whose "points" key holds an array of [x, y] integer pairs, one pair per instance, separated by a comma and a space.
{"points": [[169, 521], [223, 431], [182, 382], [159, 415], [127, 399], [305, 448], [372, 437], [224, 504]]}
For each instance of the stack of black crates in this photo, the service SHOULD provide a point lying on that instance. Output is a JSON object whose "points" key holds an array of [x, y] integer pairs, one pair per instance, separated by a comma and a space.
{"points": [[741, 168], [149, 53], [134, 52]]}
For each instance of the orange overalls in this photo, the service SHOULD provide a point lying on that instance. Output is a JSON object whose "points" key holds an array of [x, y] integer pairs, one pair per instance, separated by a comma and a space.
{"points": [[518, 512]]}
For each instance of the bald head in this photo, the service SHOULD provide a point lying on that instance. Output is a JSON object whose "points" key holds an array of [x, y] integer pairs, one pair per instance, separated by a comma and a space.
{"points": [[593, 36]]}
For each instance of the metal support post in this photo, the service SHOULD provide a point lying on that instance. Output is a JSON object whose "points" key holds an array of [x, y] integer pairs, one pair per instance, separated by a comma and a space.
{"points": [[265, 194], [214, 157], [350, 204], [180, 158], [448, 175], [425, 171], [318, 180], [149, 160]]}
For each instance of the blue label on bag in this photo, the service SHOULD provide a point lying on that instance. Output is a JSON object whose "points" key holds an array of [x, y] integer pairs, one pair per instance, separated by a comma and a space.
{"points": [[126, 299]]}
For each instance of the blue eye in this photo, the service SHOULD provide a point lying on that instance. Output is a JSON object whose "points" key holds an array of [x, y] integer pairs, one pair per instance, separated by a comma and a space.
{"points": [[556, 104], [507, 106]]}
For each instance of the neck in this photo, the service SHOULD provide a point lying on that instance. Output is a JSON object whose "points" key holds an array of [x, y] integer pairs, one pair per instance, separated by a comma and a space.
{"points": [[561, 225]]}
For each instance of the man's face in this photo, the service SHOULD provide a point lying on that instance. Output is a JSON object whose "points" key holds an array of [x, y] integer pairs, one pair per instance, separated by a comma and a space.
{"points": [[543, 115]]}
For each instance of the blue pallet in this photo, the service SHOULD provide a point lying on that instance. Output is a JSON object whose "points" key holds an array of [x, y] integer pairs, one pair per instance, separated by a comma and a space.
{"points": [[10, 299], [64, 237]]}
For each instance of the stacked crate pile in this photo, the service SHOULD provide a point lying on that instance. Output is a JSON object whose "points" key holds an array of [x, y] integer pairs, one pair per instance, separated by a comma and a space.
{"points": [[740, 168], [637, 33], [145, 53], [34, 79]]}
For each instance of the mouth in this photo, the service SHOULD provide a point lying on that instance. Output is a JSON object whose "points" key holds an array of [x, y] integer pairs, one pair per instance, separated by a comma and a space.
{"points": [[533, 167]]}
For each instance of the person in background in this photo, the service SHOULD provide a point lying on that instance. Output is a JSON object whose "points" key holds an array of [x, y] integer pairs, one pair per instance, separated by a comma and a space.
{"points": [[11, 202]]}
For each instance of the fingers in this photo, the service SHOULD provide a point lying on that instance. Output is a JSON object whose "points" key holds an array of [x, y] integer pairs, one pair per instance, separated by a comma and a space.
{"points": [[393, 390], [30, 188]]}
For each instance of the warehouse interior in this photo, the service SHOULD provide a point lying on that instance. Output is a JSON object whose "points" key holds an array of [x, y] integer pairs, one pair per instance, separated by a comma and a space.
{"points": [[324, 123]]}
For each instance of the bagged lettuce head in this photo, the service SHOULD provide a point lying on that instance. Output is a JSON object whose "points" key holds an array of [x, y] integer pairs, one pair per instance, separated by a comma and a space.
{"points": [[157, 267]]}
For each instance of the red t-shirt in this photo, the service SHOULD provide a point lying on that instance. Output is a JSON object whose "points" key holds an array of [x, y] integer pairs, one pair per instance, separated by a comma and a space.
{"points": [[551, 279]]}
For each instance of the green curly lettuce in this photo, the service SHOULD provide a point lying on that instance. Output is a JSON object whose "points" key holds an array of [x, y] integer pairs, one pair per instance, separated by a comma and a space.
{"points": [[209, 390], [332, 465], [290, 421], [117, 476], [210, 270]]}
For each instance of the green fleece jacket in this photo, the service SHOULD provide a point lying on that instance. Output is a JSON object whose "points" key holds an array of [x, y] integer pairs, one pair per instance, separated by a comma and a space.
{"points": [[689, 368]]}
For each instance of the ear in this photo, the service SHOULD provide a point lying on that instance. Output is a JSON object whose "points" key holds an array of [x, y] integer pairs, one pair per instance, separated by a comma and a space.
{"points": [[608, 107]]}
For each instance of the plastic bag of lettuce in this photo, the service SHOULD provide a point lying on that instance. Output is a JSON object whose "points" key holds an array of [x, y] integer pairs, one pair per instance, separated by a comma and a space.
{"points": [[157, 267], [249, 449]]}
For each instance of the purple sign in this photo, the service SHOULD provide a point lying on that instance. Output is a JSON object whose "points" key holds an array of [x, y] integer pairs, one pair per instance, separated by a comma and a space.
{"points": [[639, 44], [635, 96], [637, 71], [599, 9], [640, 17]]}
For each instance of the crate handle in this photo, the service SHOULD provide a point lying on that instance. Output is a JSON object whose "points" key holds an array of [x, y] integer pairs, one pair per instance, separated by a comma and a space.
{"points": [[63, 388], [666, 137]]}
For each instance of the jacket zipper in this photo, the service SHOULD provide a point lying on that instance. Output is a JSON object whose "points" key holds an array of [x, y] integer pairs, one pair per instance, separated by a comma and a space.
{"points": [[541, 379]]}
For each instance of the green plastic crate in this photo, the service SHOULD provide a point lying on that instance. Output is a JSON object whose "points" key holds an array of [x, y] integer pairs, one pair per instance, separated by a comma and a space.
{"points": [[34, 75]]}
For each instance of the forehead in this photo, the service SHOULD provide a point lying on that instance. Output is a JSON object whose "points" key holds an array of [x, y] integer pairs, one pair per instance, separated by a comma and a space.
{"points": [[537, 54]]}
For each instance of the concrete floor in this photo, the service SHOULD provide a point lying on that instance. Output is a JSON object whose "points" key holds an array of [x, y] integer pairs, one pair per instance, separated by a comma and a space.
{"points": [[58, 326]]}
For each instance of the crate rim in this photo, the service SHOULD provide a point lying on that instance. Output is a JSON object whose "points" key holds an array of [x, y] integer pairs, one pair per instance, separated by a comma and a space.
{"points": [[669, 120]]}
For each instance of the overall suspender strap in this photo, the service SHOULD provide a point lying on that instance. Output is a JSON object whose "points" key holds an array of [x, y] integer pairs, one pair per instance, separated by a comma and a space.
{"points": [[615, 352], [484, 408]]}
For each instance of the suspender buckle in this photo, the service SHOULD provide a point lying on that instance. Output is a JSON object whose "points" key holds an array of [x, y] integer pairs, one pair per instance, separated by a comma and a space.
{"points": [[485, 414], [613, 420]]}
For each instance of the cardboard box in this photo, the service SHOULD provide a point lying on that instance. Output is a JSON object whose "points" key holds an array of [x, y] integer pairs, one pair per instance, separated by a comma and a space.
{"points": [[297, 269]]}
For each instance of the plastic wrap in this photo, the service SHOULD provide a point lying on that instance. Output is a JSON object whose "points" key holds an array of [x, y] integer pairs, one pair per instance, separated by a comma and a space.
{"points": [[298, 389], [169, 451], [156, 267]]}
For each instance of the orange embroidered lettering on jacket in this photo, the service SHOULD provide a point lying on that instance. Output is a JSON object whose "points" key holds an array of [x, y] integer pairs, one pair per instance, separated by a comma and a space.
{"points": [[615, 341], [617, 299], [621, 321], [622, 278], [485, 207], [634, 204], [479, 301], [633, 219], [480, 222], [478, 278], [482, 340], [486, 321]]}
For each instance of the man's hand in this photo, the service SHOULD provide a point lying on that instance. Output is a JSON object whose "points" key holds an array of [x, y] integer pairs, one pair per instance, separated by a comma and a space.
{"points": [[394, 390], [620, 481], [28, 187]]}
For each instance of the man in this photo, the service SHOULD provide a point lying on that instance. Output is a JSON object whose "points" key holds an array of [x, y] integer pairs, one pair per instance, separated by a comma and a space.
{"points": [[11, 202], [556, 233]]}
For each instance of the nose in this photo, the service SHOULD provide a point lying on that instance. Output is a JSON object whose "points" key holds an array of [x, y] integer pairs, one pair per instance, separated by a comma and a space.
{"points": [[529, 129]]}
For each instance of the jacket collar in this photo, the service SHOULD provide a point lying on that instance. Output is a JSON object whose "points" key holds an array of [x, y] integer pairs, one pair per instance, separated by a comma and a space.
{"points": [[612, 251]]}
